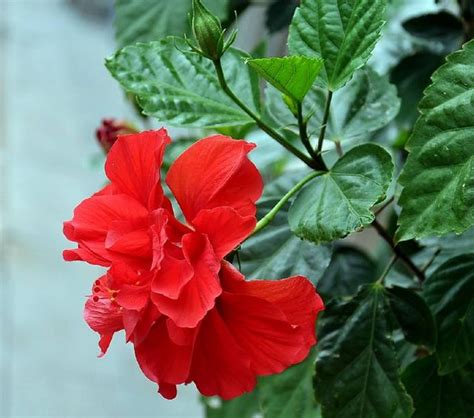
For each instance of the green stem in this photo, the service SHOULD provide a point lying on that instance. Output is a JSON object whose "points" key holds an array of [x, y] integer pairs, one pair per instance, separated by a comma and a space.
{"points": [[322, 132], [262, 223], [387, 269], [398, 251], [303, 128], [262, 125]]}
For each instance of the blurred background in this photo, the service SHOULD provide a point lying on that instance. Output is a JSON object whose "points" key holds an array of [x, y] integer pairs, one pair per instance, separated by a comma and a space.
{"points": [[54, 91]]}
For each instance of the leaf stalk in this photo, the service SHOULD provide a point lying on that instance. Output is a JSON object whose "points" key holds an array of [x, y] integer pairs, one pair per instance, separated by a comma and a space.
{"points": [[262, 125], [322, 132], [397, 250], [270, 216]]}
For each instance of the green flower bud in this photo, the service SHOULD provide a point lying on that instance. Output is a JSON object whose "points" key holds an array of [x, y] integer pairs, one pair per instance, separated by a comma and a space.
{"points": [[207, 31]]}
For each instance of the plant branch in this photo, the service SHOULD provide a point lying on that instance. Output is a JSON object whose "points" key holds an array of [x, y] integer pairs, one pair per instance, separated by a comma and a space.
{"points": [[303, 128], [262, 125], [270, 216], [322, 132], [397, 250], [431, 260]]}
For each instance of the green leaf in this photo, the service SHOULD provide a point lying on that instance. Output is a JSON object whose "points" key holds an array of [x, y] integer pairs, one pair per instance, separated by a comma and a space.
{"points": [[342, 32], [357, 367], [366, 104], [436, 396], [293, 76], [245, 406], [444, 248], [291, 393], [339, 202], [449, 293], [435, 251], [181, 88], [349, 269], [413, 315], [438, 177], [152, 20], [275, 252]]}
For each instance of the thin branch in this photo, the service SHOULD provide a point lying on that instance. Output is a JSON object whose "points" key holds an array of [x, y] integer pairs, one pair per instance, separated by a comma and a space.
{"points": [[397, 250], [431, 260], [262, 125]]}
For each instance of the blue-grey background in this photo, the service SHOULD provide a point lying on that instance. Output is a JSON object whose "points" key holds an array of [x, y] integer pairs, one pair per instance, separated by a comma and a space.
{"points": [[54, 90]]}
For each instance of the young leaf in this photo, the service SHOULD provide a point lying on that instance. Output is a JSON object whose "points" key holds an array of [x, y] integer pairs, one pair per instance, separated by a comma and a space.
{"points": [[152, 20], [275, 252], [349, 269], [365, 104], [339, 202], [293, 76], [181, 88], [438, 177], [439, 396], [449, 293], [342, 32], [291, 393], [357, 367], [413, 315]]}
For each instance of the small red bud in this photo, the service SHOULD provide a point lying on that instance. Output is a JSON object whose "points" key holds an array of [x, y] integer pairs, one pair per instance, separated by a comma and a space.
{"points": [[109, 129]]}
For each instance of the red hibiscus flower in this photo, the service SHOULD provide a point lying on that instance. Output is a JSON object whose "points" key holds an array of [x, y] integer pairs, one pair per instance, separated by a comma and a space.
{"points": [[190, 315]]}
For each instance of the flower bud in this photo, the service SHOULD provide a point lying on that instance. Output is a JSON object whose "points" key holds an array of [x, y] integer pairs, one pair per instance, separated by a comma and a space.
{"points": [[207, 31], [109, 130]]}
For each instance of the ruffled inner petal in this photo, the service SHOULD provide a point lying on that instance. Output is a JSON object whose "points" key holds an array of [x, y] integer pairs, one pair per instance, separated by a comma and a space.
{"points": [[215, 172], [198, 295], [133, 166]]}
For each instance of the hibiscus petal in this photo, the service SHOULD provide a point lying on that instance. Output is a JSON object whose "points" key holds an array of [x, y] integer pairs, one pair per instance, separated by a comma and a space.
{"points": [[137, 324], [198, 295], [295, 297], [104, 317], [160, 359], [91, 222], [83, 253], [93, 217], [215, 172], [133, 165], [262, 331], [220, 366], [224, 227], [180, 336], [173, 275]]}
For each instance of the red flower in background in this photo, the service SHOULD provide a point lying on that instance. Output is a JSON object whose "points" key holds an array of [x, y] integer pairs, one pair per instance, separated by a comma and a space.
{"points": [[190, 315], [109, 130]]}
